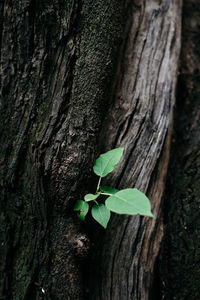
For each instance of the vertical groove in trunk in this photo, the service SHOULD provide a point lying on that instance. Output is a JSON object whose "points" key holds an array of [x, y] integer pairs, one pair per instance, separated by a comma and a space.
{"points": [[180, 271], [138, 119]]}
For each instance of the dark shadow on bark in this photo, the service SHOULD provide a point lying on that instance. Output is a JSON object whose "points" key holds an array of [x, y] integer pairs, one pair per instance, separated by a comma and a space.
{"points": [[180, 267]]}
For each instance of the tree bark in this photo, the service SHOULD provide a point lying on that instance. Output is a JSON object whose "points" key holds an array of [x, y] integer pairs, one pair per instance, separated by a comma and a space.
{"points": [[61, 71], [140, 118], [57, 59], [180, 268]]}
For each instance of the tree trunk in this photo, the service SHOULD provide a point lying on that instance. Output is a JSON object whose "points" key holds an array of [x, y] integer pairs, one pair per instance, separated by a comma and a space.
{"points": [[180, 271], [139, 117], [61, 72], [57, 59]]}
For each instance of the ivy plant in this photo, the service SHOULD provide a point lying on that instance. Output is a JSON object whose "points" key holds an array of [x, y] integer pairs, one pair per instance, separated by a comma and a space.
{"points": [[129, 201]]}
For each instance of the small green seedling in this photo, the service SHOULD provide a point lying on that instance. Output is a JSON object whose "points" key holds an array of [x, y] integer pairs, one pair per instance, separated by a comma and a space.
{"points": [[128, 201]]}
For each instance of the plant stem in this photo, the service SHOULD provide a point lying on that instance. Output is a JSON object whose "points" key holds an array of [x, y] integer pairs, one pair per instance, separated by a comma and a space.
{"points": [[106, 194], [98, 185]]}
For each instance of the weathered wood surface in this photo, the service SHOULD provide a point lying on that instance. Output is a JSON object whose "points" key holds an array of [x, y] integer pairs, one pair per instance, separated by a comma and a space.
{"points": [[180, 265], [57, 67], [139, 118], [57, 59]]}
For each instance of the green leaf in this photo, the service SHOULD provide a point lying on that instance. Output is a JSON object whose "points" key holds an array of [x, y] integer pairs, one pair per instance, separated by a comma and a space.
{"points": [[129, 201], [106, 162], [108, 189], [90, 197], [83, 208], [81, 216], [101, 214]]}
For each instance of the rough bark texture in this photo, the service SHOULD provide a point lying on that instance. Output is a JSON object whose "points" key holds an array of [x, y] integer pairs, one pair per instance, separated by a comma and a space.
{"points": [[57, 59], [180, 272], [57, 68], [138, 118]]}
